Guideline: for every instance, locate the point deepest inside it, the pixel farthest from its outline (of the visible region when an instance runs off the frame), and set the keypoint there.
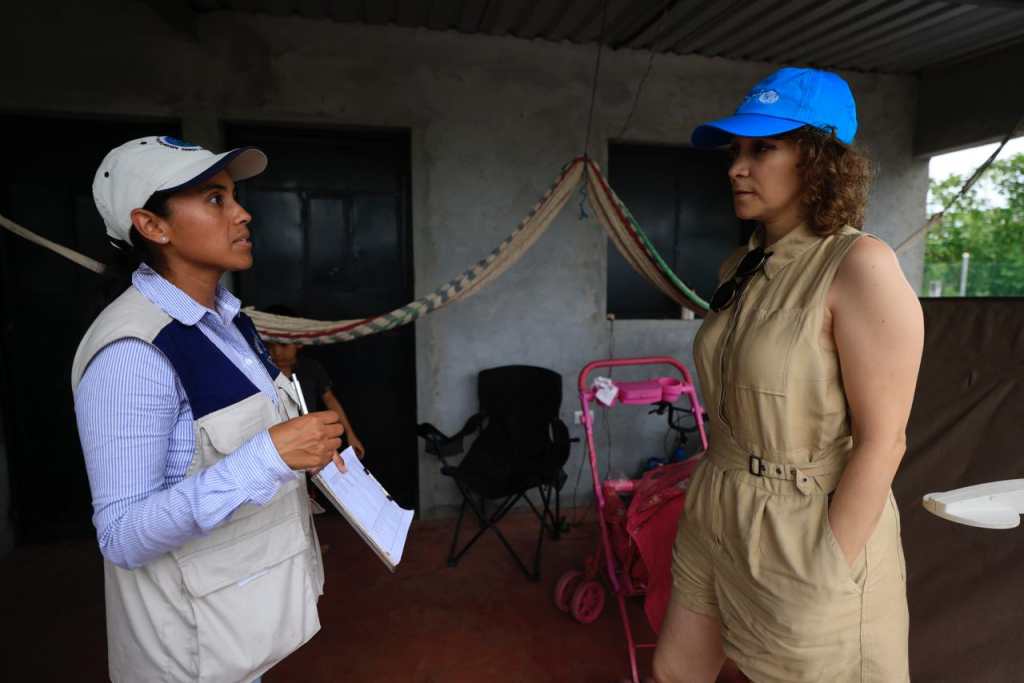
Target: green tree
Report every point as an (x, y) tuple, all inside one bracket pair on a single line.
[(992, 234)]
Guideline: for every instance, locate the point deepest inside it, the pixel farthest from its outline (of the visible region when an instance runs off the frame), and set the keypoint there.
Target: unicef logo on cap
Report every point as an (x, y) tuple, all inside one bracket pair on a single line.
[(175, 143), (768, 97)]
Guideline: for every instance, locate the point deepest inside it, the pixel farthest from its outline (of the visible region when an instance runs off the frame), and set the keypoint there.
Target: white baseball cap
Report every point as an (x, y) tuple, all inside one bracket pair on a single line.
[(130, 174)]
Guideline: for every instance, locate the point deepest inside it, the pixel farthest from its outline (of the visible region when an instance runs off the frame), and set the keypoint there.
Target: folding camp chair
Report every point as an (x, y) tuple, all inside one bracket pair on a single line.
[(521, 444)]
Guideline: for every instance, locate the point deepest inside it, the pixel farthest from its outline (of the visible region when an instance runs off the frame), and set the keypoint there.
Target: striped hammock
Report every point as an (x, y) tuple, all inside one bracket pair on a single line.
[(611, 213)]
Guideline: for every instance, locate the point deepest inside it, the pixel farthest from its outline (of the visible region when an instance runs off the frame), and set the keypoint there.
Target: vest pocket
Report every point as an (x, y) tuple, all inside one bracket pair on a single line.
[(252, 598), (223, 432)]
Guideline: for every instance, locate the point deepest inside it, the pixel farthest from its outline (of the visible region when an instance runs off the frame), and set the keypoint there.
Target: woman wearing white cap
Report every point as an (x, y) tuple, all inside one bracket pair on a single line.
[(788, 558), (191, 440)]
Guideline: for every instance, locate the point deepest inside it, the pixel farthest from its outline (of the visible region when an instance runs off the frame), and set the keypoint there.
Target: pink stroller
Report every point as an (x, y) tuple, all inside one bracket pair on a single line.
[(634, 515)]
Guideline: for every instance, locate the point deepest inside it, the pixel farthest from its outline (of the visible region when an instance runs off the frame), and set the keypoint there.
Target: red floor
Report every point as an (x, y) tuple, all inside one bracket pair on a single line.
[(428, 623)]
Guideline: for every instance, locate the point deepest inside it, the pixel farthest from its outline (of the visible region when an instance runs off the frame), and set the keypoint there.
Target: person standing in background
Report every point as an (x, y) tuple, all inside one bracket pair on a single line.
[(317, 388)]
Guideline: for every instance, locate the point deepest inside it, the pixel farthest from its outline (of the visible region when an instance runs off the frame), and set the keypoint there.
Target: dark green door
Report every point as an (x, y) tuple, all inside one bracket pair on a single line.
[(332, 236), (682, 199)]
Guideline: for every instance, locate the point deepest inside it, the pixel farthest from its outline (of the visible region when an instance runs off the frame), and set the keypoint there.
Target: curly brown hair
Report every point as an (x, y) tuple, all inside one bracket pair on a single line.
[(836, 180)]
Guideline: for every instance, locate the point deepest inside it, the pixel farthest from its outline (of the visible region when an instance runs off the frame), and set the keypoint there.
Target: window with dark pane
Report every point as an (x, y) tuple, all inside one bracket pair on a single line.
[(681, 198)]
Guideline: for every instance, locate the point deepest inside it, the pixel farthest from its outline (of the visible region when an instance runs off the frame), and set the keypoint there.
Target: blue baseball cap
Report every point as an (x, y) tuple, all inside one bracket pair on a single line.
[(788, 99)]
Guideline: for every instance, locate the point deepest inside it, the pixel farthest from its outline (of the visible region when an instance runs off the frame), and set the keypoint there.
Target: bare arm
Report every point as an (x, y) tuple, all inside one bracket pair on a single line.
[(332, 403), (879, 333)]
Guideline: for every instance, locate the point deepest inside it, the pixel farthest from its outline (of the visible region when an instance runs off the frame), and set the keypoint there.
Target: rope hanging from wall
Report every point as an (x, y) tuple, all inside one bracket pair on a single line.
[(625, 233)]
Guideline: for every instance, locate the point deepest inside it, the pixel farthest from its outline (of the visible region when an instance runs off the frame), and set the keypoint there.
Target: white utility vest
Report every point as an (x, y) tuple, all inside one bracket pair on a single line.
[(229, 605)]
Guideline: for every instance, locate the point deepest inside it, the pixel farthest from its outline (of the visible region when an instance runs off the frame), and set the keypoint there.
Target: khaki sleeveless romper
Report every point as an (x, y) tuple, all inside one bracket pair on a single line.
[(755, 549)]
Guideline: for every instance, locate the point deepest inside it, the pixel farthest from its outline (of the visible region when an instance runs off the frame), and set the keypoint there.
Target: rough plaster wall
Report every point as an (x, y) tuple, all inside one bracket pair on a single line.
[(492, 120), (897, 205)]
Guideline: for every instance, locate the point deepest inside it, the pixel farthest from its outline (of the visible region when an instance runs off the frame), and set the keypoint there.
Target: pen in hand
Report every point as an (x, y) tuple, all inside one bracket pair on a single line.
[(324, 426)]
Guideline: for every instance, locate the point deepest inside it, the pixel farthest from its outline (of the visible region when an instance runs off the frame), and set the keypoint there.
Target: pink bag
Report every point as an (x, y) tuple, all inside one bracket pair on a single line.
[(652, 521)]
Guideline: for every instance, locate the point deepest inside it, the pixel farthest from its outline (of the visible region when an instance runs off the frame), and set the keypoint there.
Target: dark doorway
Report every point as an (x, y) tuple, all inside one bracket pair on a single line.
[(332, 234), (682, 200), (46, 305)]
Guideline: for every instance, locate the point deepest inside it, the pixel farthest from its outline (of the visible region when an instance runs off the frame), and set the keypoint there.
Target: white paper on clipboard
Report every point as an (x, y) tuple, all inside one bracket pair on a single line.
[(360, 498), (363, 502)]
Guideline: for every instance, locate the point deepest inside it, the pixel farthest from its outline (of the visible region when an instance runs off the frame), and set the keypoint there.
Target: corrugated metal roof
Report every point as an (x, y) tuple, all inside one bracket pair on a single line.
[(891, 36)]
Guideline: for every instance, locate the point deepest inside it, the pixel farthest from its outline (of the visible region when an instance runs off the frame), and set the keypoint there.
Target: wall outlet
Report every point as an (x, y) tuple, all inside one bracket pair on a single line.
[(577, 417)]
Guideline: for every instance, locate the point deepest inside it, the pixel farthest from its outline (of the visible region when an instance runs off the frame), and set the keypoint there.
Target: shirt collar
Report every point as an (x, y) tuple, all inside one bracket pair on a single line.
[(786, 250), (179, 305)]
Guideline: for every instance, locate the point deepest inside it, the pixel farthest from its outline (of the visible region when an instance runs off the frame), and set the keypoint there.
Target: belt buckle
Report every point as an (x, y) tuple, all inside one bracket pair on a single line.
[(756, 466)]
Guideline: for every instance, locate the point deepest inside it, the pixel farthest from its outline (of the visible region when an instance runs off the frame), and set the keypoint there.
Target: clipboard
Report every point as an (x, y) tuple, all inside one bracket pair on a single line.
[(363, 501)]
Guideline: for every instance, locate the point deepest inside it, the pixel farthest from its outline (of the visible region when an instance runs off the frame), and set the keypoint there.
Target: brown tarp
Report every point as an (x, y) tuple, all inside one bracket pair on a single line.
[(965, 585)]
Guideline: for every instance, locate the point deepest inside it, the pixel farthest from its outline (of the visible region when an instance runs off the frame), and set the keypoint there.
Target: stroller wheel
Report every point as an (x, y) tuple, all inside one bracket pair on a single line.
[(565, 587), (587, 602)]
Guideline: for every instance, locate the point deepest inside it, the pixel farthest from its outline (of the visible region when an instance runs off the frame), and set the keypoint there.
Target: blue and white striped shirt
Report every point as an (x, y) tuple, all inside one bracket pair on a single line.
[(135, 424)]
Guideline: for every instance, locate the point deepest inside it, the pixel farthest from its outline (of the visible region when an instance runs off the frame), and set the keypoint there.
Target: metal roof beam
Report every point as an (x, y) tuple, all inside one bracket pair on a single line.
[(897, 30), (443, 15), (750, 13), (345, 10), (381, 12), (311, 9), (789, 14), (712, 13), (679, 13), (999, 38), (641, 14), (808, 51), (590, 30), (975, 30), (535, 23), (815, 23)]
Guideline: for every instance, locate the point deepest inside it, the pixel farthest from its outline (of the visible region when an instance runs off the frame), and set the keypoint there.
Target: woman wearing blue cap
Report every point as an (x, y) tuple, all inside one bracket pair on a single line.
[(788, 558), (195, 455)]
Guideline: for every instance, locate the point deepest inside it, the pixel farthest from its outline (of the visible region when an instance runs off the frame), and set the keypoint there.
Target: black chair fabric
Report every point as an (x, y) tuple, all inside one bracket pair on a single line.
[(521, 444)]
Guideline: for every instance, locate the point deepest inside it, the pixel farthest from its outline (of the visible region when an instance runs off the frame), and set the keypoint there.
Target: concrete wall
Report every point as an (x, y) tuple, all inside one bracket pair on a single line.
[(971, 103), (492, 120)]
